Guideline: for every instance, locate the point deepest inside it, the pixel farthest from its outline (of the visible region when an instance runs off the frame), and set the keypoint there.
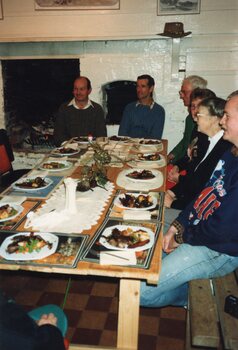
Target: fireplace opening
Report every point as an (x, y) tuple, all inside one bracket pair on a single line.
[(33, 90)]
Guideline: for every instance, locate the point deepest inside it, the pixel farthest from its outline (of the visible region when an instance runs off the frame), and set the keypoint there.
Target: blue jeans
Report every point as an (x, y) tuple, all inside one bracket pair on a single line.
[(181, 266)]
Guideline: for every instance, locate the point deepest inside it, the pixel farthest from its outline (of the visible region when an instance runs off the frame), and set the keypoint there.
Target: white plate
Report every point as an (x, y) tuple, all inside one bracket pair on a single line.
[(43, 253), (148, 160), (58, 153), (118, 203), (107, 232), (17, 207), (140, 180), (25, 189), (66, 165)]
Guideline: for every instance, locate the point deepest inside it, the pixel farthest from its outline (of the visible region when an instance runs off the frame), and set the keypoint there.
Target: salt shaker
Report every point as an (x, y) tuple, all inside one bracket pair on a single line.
[(70, 195)]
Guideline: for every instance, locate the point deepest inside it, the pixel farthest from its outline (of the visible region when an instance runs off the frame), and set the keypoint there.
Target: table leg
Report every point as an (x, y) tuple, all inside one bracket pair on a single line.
[(128, 314)]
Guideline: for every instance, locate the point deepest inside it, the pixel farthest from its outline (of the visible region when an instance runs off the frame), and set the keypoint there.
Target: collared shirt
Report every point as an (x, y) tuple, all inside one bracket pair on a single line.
[(213, 141), (150, 106), (73, 103)]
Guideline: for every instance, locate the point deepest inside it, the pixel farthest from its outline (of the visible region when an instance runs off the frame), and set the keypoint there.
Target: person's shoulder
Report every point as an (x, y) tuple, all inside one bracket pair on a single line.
[(158, 106), (96, 105), (65, 106), (130, 105)]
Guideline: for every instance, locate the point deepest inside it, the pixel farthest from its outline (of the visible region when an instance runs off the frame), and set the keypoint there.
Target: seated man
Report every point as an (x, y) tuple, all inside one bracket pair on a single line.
[(188, 85), (143, 118), (203, 241), (81, 116)]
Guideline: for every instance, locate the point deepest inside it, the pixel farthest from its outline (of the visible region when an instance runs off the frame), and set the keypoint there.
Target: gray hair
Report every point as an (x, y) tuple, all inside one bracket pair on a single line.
[(196, 81)]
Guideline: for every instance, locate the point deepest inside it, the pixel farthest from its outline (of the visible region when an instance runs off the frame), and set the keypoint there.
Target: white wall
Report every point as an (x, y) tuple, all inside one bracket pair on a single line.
[(121, 44)]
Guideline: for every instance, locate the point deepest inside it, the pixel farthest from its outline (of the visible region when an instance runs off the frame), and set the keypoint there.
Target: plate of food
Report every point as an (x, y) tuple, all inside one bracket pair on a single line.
[(135, 201), (124, 237), (55, 165), (140, 175), (85, 139), (29, 246), (116, 138), (149, 157), (156, 145), (65, 151), (9, 211), (32, 184)]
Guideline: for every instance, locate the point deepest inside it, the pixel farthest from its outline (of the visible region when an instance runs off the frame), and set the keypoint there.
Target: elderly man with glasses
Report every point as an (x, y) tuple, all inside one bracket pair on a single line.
[(188, 85)]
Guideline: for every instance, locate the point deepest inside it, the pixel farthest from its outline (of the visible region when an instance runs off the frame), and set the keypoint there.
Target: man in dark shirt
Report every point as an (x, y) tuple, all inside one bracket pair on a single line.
[(80, 116)]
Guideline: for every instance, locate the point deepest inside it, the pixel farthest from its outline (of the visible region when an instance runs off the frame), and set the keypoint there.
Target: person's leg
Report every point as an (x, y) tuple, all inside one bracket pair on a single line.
[(62, 321), (179, 267)]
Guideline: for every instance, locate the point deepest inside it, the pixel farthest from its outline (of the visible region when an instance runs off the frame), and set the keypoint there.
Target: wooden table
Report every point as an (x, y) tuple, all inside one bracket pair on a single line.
[(129, 292)]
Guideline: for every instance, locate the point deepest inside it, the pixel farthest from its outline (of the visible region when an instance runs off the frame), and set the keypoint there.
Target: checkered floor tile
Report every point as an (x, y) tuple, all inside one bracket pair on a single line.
[(91, 308)]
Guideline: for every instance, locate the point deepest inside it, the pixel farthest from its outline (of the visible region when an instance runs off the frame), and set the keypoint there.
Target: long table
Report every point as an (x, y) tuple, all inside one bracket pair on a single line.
[(129, 279)]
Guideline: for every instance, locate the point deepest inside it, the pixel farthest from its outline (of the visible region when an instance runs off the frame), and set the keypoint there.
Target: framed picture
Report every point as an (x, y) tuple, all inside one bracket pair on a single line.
[(77, 4), (1, 13), (178, 7)]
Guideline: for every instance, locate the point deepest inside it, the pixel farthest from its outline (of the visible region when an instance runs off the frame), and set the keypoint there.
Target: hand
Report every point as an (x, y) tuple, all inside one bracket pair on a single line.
[(47, 319), (173, 174), (169, 198), (170, 158), (169, 243)]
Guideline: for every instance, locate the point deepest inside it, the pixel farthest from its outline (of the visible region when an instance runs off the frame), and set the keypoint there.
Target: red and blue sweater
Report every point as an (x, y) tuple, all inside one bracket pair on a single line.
[(212, 218)]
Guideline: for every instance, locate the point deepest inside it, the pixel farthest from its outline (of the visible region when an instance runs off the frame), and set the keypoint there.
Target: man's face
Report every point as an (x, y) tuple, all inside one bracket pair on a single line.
[(185, 92), (81, 91), (229, 121), (143, 90)]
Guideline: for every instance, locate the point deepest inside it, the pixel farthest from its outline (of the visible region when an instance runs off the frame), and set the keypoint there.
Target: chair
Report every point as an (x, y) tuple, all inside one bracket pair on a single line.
[(7, 174)]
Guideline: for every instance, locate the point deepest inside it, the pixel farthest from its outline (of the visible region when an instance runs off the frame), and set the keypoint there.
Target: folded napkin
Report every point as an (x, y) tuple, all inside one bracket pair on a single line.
[(118, 257), (136, 215), (14, 199)]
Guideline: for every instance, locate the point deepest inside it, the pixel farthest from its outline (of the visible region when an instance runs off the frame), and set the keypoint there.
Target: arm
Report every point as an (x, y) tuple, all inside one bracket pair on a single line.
[(125, 124), (60, 133), (158, 127), (100, 125), (180, 150)]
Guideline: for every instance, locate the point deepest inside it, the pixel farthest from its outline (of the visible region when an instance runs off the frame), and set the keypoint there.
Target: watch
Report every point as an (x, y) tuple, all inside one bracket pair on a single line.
[(178, 237)]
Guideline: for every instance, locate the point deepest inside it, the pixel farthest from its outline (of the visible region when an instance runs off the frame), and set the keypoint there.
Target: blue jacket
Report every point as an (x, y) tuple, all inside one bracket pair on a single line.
[(211, 219), (142, 121)]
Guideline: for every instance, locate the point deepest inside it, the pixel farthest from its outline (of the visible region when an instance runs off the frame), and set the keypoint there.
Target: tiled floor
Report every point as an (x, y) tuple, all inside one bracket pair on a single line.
[(91, 308)]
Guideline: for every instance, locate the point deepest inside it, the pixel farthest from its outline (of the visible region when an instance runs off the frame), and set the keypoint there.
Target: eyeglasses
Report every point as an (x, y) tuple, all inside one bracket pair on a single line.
[(184, 92)]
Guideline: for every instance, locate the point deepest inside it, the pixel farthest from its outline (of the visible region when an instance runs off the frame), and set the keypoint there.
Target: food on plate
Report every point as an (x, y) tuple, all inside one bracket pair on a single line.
[(141, 175), (140, 201), (85, 138), (150, 142), (27, 244), (118, 138), (127, 238), (6, 211), (65, 150), (53, 165), (38, 182), (149, 156)]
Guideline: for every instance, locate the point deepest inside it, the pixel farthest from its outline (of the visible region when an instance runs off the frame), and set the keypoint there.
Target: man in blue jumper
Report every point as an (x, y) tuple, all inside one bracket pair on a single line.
[(143, 118), (203, 241)]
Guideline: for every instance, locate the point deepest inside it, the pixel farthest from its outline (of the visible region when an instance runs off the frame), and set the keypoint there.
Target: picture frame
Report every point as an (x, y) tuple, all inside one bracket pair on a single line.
[(178, 7), (77, 4), (1, 11)]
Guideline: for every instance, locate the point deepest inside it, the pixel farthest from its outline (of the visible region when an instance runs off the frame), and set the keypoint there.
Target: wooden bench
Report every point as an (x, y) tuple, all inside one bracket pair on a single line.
[(208, 326)]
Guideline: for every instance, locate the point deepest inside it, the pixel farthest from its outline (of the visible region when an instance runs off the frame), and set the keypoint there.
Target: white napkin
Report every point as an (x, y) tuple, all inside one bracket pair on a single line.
[(136, 215), (40, 173), (70, 195), (119, 257), (14, 199)]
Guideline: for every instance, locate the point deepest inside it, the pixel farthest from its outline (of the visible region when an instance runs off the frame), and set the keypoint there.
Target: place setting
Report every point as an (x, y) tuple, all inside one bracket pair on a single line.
[(140, 179), (137, 206), (123, 243), (148, 160)]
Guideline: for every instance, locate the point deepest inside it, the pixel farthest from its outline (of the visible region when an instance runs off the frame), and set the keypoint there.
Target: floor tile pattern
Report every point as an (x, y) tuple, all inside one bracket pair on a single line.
[(91, 308)]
